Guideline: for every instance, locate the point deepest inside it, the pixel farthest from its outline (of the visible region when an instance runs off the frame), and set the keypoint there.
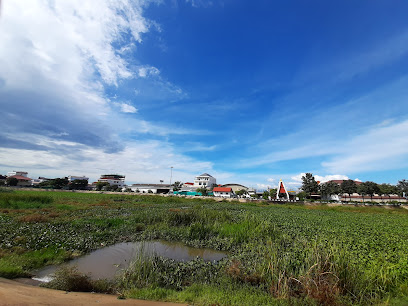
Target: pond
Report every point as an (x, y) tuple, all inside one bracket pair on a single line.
[(107, 262)]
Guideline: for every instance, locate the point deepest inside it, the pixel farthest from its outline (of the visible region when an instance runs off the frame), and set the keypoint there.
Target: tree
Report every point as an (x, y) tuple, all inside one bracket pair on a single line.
[(11, 181), (78, 185), (177, 185), (57, 183), (369, 188), (362, 190), (329, 188), (309, 184), (101, 185), (265, 195), (272, 193), (387, 189), (349, 187), (203, 191), (114, 188), (403, 187), (301, 195), (241, 192)]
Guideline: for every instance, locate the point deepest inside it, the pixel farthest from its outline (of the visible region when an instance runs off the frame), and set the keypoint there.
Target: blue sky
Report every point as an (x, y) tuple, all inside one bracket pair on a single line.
[(248, 91)]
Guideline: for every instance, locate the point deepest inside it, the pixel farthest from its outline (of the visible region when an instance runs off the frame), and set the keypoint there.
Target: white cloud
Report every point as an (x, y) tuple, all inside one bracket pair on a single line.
[(200, 3), (126, 108), (263, 186), (297, 179), (147, 161), (379, 148), (147, 71)]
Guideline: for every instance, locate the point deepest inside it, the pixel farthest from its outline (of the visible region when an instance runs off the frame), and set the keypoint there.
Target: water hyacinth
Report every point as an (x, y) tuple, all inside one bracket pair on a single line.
[(324, 254)]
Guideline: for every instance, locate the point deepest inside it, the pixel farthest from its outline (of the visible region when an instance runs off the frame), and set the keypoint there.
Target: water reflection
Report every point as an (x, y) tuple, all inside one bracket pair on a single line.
[(106, 262)]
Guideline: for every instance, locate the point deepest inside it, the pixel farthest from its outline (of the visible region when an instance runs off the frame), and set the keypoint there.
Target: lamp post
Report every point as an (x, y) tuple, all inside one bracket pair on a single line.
[(171, 175)]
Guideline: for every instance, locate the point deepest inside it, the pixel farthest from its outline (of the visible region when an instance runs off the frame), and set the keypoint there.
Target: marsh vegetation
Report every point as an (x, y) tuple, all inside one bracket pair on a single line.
[(277, 254)]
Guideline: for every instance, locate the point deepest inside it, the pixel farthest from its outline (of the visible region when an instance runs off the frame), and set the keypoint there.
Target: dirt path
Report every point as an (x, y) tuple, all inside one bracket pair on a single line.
[(14, 293)]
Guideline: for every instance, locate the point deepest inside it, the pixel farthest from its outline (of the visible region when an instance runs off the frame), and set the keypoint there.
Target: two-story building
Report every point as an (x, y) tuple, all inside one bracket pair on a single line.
[(113, 179), (204, 181)]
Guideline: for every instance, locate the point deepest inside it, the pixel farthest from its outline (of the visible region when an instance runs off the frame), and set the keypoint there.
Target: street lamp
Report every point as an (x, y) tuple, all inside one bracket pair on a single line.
[(171, 175)]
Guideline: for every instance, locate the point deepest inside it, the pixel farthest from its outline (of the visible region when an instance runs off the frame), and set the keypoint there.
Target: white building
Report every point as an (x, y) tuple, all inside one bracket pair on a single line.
[(151, 188), (19, 173), (113, 179), (36, 182), (224, 192), (204, 181), (73, 178)]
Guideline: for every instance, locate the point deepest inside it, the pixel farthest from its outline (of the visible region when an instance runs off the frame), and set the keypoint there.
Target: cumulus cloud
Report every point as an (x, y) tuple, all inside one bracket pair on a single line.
[(296, 180), (57, 58), (379, 148), (147, 161), (126, 108)]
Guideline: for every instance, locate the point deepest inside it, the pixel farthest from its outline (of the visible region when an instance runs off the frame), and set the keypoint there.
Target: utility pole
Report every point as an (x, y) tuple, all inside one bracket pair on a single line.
[(171, 175)]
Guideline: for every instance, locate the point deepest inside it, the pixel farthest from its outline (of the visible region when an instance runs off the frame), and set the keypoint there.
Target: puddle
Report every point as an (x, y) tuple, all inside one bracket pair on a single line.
[(106, 262)]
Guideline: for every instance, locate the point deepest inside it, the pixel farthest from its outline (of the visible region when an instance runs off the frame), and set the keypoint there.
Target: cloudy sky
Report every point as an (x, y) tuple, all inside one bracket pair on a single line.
[(248, 91)]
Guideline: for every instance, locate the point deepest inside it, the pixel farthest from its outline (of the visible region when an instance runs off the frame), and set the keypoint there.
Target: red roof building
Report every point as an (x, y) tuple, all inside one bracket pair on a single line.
[(222, 189), (22, 180), (224, 192), (341, 181)]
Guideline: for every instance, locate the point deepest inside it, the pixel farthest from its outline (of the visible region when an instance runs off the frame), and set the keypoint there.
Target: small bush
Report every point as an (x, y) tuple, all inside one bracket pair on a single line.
[(34, 218), (70, 279)]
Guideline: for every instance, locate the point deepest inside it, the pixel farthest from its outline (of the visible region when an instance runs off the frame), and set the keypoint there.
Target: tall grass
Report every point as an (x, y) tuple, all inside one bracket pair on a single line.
[(23, 201), (150, 270), (290, 253)]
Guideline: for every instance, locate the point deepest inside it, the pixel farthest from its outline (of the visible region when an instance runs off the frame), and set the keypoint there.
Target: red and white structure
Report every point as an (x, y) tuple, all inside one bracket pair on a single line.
[(282, 191), (224, 192)]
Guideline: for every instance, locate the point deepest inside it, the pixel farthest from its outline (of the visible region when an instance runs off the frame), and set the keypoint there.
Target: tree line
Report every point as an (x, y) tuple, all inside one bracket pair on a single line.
[(310, 187)]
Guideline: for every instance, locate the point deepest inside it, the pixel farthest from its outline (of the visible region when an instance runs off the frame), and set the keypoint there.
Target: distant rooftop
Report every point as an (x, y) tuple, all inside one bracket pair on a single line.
[(112, 176), (222, 189), (205, 174), (21, 178), (341, 181)]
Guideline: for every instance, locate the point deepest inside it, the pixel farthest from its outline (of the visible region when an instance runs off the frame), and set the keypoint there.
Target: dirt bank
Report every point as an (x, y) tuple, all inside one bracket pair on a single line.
[(14, 293)]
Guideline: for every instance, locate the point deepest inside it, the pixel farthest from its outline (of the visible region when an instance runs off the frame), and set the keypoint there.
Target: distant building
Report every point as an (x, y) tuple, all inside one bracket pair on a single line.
[(36, 182), (19, 173), (151, 188), (73, 178), (339, 182), (204, 181), (355, 197), (2, 179), (113, 179), (224, 192), (23, 181), (251, 191), (236, 187)]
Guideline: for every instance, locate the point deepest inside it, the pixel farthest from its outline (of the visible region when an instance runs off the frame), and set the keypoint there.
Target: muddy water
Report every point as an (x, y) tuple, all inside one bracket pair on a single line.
[(107, 262)]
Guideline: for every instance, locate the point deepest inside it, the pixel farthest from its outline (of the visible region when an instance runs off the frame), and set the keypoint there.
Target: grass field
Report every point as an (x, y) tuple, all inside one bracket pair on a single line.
[(278, 254)]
